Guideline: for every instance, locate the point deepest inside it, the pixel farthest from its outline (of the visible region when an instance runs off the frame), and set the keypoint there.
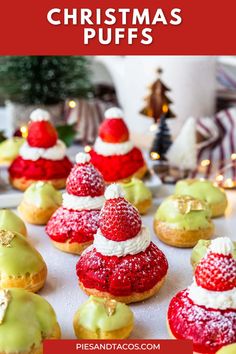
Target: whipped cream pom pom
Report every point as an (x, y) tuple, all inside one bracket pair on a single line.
[(221, 245), (82, 157), (39, 115), (114, 191), (113, 113)]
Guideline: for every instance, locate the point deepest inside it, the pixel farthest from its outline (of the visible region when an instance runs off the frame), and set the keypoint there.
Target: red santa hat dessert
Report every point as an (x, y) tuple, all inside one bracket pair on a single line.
[(113, 154), (42, 157), (72, 227), (205, 313), (122, 264)]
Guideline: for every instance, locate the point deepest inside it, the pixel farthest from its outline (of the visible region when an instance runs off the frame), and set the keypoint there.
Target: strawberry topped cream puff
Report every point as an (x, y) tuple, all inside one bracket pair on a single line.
[(72, 227), (42, 157), (113, 154), (122, 264), (205, 313)]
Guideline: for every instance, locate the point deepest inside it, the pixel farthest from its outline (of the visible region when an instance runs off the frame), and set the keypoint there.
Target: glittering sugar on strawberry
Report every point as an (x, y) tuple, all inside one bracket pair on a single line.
[(85, 179), (208, 329), (42, 134), (121, 276), (119, 220), (73, 225), (216, 272)]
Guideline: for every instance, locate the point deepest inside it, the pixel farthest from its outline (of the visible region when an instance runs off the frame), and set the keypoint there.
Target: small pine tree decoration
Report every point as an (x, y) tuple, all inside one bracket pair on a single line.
[(162, 141), (158, 102), (47, 80)]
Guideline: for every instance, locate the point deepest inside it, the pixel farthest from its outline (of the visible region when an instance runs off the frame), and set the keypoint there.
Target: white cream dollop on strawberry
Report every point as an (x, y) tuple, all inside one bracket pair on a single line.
[(82, 158), (111, 149), (220, 300), (39, 115), (221, 245), (74, 202), (114, 191), (55, 153), (114, 113), (132, 246)]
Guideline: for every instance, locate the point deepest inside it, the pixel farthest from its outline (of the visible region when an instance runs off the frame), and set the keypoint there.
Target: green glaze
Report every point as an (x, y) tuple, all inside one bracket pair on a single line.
[(42, 195), (228, 349), (9, 149), (136, 191), (28, 319), (201, 189), (93, 315), (11, 222), (200, 250), (169, 213), (20, 258)]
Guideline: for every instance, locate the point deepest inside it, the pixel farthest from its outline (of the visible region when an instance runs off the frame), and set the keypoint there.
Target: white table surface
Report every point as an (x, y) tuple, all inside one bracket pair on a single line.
[(64, 294)]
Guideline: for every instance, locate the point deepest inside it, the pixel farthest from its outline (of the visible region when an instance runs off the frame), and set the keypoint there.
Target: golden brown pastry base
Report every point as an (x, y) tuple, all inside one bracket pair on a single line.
[(56, 334), (74, 247), (135, 297), (30, 282), (181, 238), (22, 183), (144, 206), (34, 215), (218, 209), (173, 337), (84, 333)]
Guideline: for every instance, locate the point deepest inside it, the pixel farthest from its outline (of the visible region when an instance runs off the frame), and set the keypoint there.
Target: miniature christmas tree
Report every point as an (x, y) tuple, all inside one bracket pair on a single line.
[(183, 152), (162, 141), (47, 80), (158, 102)]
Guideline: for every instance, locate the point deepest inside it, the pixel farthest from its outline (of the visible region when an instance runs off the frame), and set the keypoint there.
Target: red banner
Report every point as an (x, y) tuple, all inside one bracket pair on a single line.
[(117, 346), (91, 27)]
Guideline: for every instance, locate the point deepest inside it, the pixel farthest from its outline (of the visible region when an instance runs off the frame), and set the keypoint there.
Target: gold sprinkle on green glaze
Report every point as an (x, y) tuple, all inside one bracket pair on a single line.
[(110, 307), (6, 238), (5, 298)]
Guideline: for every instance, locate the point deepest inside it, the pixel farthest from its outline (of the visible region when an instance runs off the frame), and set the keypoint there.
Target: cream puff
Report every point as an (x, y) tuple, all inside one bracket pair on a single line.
[(114, 154), (137, 194), (205, 313), (181, 221), (42, 157), (40, 201), (200, 250), (102, 318), (21, 266), (122, 264), (9, 150), (26, 320), (204, 190), (11, 222), (72, 227)]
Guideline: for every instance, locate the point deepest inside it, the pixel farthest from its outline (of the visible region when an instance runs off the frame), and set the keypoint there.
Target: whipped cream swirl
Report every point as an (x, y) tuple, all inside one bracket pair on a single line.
[(56, 152), (220, 300), (110, 149), (82, 203), (131, 246), (221, 245)]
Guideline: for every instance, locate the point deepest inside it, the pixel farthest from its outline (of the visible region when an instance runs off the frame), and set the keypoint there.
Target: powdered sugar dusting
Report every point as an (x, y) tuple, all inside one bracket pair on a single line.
[(208, 329)]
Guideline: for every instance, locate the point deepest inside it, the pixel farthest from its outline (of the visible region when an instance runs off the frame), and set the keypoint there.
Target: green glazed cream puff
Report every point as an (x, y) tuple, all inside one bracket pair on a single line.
[(101, 318), (39, 202), (11, 222), (26, 319), (181, 221), (9, 150), (21, 266), (137, 194), (204, 190), (228, 349), (200, 250)]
